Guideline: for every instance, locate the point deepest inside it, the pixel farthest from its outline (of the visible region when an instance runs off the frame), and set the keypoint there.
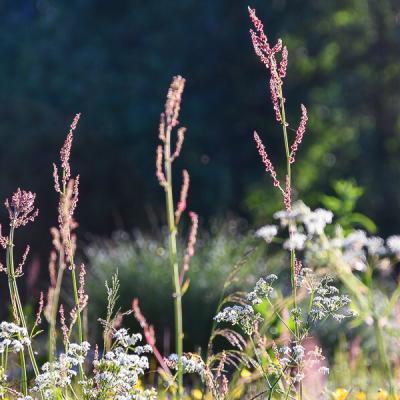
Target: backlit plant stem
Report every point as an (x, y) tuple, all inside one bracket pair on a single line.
[(290, 225), (54, 309), (173, 256), (74, 286), (289, 182), (17, 306)]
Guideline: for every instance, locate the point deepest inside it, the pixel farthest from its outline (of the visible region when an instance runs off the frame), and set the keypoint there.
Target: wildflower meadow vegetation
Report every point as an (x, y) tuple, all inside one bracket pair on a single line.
[(305, 307)]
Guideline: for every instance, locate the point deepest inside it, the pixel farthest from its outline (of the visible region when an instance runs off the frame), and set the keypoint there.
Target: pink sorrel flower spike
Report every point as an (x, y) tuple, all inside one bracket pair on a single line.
[(287, 195), (191, 244), (274, 88), (179, 143), (174, 98), (284, 63), (38, 320), (299, 133), (265, 159), (65, 152), (183, 198), (21, 209), (159, 168), (260, 41), (297, 271)]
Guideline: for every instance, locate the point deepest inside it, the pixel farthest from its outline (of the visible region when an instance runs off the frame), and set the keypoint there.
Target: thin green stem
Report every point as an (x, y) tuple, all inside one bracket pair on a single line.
[(291, 225), (15, 297), (24, 379), (54, 310), (74, 284), (173, 256), (260, 363)]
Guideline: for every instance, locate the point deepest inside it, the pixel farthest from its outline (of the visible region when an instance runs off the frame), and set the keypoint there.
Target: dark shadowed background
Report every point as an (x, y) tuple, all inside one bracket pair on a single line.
[(113, 61)]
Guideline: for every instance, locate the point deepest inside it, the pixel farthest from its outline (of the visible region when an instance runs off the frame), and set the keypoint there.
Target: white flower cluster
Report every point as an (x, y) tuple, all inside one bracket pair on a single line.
[(123, 338), (295, 215), (267, 232), (191, 363), (296, 241), (59, 374), (393, 243), (262, 290), (292, 355), (118, 372), (244, 316), (310, 223), (13, 337), (328, 302)]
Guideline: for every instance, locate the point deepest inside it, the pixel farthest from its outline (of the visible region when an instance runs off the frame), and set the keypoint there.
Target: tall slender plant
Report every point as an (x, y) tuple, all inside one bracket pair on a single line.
[(165, 158)]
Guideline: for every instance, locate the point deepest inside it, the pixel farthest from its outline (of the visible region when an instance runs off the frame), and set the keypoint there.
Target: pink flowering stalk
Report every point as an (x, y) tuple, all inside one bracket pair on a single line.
[(21, 210), (164, 159), (64, 242), (275, 59)]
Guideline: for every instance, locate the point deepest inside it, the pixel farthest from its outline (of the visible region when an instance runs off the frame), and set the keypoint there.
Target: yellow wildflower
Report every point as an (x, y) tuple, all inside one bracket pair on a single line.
[(382, 395), (360, 396), (245, 373), (340, 394), (197, 394), (237, 392)]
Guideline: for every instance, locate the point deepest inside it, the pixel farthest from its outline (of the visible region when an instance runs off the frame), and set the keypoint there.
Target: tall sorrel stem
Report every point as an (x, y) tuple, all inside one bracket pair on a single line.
[(164, 160), (173, 257), (64, 239), (21, 210), (267, 55)]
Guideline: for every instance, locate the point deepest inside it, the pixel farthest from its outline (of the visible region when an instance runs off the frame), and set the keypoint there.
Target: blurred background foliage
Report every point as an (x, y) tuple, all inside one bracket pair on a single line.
[(113, 61)]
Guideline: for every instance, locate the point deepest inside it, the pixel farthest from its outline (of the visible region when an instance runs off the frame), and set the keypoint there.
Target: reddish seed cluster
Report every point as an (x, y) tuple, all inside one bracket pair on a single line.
[(265, 159), (18, 271), (159, 167), (149, 334), (174, 98), (287, 196), (3, 239), (21, 209), (267, 56), (299, 133), (83, 297), (184, 193), (191, 243), (284, 63), (38, 320), (179, 143), (168, 121), (275, 94), (65, 152), (64, 327), (297, 271)]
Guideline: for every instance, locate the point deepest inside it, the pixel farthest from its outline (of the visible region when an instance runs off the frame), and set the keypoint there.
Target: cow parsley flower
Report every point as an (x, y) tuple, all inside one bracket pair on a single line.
[(393, 242), (267, 232), (123, 338), (328, 302), (297, 214), (375, 246), (117, 373), (244, 316), (191, 363), (296, 241), (262, 290), (13, 337), (315, 221)]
